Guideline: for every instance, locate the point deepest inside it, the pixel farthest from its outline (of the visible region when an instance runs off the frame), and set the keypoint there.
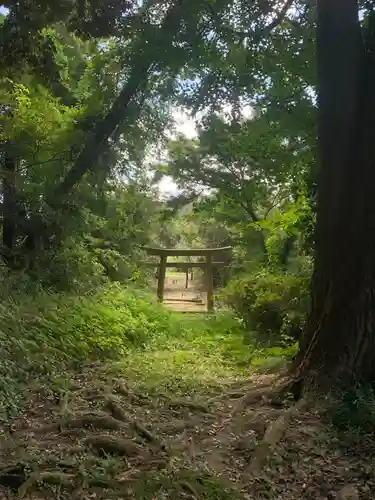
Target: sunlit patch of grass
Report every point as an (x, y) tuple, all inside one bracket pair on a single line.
[(204, 353), (201, 355), (174, 275), (273, 359), (181, 371)]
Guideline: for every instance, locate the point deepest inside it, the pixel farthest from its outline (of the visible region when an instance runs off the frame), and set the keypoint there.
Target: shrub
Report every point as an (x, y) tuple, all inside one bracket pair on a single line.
[(271, 304), (69, 268)]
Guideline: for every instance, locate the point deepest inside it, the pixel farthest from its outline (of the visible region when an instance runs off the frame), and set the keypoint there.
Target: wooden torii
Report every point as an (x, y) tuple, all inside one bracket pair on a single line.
[(208, 266)]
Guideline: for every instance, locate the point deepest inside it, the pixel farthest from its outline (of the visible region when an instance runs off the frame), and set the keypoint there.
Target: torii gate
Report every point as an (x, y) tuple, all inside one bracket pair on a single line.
[(208, 266)]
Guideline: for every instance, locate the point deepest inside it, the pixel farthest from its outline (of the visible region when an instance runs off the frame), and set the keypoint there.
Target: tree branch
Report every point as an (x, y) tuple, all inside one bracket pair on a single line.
[(279, 17), (61, 155), (141, 65), (86, 160), (262, 32)]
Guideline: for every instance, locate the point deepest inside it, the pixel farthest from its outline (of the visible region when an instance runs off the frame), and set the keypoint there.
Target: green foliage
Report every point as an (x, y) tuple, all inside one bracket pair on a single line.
[(99, 241), (196, 56), (353, 411), (271, 304), (201, 356), (255, 171), (70, 268), (284, 230), (41, 334)]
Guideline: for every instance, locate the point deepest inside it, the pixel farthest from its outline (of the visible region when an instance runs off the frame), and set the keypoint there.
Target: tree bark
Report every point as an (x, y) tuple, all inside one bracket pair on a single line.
[(339, 341), (88, 157)]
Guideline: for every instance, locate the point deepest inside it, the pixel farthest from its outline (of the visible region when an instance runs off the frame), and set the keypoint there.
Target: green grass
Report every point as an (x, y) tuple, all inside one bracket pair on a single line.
[(46, 334), (203, 354), (353, 411)]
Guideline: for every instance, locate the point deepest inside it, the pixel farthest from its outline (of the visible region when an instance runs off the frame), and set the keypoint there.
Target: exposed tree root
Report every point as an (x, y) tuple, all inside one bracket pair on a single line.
[(113, 406), (226, 395), (149, 436), (241, 389), (191, 405), (94, 420), (118, 413), (123, 389), (44, 429), (180, 426), (271, 437), (251, 398), (71, 481), (143, 432), (112, 445), (15, 475), (86, 464), (55, 478), (275, 395)]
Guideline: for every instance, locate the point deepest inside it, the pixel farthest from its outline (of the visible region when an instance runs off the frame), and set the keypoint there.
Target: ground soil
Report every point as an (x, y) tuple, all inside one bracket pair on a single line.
[(99, 434), (178, 298), (101, 438)]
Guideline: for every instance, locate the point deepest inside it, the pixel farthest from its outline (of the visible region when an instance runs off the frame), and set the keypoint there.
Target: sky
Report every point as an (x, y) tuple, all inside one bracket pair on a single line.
[(185, 125)]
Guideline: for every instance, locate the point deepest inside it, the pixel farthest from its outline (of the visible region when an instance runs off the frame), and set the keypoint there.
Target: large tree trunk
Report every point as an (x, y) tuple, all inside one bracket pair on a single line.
[(339, 341)]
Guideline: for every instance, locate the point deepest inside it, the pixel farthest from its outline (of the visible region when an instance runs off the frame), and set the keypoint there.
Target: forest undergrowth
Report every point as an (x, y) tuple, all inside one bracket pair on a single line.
[(159, 405)]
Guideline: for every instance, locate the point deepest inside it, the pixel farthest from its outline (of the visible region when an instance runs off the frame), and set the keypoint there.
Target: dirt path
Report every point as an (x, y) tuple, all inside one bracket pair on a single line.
[(102, 439), (181, 299)]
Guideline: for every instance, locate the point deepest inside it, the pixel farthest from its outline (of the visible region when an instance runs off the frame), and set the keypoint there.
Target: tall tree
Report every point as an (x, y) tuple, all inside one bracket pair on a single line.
[(339, 341), (254, 168), (197, 51), (145, 34)]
